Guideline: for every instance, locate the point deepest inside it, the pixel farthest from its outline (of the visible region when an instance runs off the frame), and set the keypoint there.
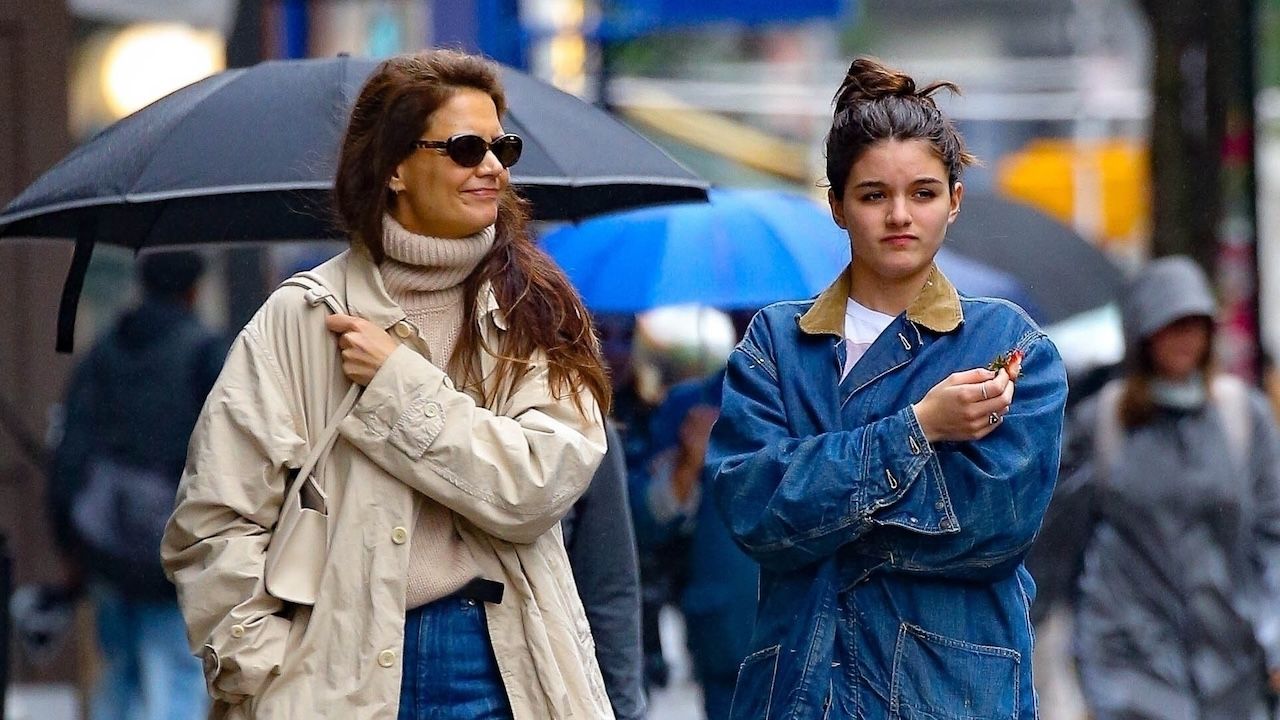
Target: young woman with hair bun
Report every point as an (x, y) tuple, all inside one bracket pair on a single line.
[(886, 450)]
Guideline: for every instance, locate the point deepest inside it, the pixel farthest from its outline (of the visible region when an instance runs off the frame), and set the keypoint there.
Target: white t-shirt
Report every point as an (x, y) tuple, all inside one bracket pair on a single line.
[(862, 326)]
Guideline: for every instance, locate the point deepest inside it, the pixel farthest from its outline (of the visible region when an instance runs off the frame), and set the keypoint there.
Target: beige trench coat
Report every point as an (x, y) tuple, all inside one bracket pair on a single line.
[(508, 472)]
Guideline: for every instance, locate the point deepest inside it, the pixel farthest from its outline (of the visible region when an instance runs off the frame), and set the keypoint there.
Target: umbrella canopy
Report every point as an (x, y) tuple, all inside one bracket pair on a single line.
[(249, 154), (1064, 272), (744, 249)]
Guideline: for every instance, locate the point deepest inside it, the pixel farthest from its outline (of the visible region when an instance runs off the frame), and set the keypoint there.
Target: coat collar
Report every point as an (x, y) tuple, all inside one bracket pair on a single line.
[(368, 297), (937, 307)]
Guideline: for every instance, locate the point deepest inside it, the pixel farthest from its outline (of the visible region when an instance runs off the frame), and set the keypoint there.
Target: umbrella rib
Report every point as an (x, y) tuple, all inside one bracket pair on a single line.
[(230, 78)]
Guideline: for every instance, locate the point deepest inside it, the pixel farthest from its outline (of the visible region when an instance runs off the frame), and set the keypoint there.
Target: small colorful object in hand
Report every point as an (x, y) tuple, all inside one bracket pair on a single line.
[(1011, 362)]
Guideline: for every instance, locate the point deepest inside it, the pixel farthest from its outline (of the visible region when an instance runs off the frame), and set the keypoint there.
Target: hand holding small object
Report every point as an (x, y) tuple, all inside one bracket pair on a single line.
[(962, 406)]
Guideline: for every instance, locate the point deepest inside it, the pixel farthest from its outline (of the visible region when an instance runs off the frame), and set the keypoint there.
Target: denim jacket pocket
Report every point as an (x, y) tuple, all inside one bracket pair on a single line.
[(941, 678), (754, 692)]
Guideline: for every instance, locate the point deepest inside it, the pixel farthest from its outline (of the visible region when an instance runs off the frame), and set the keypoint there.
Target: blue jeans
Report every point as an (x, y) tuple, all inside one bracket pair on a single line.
[(148, 672), (449, 669)]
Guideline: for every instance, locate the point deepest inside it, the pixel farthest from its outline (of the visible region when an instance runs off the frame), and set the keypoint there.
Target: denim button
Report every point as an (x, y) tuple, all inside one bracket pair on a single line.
[(940, 505), (945, 524), (387, 658)]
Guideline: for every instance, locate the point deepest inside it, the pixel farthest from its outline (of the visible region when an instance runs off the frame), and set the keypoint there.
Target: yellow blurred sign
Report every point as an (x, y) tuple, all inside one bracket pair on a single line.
[(1112, 176)]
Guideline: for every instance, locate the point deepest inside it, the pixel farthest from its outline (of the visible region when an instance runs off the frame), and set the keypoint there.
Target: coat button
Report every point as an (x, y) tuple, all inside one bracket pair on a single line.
[(399, 535), (387, 658), (403, 330), (237, 631), (431, 410)]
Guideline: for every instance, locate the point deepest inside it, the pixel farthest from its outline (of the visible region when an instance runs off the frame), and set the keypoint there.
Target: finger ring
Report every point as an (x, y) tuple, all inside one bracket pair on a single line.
[(993, 418), (984, 390)]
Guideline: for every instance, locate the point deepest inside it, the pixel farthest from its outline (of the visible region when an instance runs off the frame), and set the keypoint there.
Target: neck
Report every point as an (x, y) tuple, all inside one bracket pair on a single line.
[(891, 296), (418, 263)]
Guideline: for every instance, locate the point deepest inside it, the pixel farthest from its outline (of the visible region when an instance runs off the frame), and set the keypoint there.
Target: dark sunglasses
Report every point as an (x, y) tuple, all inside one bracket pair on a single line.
[(469, 150)]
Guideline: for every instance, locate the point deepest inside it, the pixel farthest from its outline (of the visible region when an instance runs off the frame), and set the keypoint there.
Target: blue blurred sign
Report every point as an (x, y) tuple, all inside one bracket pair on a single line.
[(637, 17)]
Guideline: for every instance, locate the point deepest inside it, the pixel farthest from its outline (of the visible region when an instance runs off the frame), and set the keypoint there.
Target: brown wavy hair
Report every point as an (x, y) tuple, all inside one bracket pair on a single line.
[(543, 311), (876, 102)]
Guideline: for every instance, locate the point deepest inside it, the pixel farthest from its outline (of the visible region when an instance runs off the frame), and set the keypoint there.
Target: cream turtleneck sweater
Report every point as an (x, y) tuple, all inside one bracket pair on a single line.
[(424, 276)]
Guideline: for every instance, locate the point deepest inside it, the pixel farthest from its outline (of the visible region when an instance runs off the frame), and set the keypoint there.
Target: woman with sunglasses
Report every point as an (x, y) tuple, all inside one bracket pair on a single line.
[(446, 592), (873, 455)]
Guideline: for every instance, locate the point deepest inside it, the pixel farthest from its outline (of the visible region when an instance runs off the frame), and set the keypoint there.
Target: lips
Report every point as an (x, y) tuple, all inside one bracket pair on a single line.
[(487, 193), (899, 239)]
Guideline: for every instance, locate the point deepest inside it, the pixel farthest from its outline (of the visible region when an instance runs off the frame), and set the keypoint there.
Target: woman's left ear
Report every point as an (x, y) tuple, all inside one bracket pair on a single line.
[(957, 194)]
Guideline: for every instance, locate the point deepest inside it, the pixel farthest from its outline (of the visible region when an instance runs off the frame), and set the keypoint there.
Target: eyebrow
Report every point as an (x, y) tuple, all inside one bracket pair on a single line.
[(925, 180)]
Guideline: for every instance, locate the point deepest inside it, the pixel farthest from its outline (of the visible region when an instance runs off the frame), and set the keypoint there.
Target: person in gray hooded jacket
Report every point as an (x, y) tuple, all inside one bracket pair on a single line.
[(1178, 472)]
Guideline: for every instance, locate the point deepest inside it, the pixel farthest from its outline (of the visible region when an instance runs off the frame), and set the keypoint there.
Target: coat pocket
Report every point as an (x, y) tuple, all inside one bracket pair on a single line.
[(753, 693), (941, 678)]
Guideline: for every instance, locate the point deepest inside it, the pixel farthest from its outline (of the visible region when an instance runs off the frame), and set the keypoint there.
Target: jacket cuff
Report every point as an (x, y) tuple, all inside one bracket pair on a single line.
[(399, 405), (241, 658), (904, 478)]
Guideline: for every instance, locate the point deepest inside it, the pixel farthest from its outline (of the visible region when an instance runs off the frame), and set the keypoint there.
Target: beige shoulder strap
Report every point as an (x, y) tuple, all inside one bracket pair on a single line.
[(1108, 433), (1231, 398), (313, 493)]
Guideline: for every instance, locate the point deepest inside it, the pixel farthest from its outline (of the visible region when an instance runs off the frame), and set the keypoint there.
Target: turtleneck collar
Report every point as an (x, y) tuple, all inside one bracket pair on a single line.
[(423, 264)]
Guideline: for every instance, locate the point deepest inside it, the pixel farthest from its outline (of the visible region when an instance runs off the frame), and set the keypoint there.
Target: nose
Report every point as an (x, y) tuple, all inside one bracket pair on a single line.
[(899, 213), (489, 166)]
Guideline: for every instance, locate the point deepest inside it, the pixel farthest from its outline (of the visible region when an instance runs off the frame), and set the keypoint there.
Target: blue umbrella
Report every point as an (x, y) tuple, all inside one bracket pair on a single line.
[(743, 249)]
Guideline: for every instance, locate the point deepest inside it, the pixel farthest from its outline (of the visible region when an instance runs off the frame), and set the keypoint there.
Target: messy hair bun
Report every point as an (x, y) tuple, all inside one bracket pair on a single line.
[(876, 102), (868, 80)]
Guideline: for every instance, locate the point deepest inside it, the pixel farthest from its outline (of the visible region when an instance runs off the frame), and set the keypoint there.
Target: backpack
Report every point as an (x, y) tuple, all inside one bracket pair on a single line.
[(120, 511)]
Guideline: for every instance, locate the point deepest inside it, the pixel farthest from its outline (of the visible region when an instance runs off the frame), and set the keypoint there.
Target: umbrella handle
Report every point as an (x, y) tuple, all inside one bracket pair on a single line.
[(70, 302)]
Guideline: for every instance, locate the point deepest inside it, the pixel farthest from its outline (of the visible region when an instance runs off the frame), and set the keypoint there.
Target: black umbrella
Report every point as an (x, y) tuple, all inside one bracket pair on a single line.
[(1065, 273), (249, 154)]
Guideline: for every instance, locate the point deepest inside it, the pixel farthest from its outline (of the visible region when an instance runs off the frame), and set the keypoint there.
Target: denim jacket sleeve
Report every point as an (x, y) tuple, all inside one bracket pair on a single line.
[(999, 486), (792, 501), (960, 509)]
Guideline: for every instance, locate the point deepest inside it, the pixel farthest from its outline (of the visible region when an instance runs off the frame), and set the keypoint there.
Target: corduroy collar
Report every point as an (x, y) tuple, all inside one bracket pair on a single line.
[(937, 307)]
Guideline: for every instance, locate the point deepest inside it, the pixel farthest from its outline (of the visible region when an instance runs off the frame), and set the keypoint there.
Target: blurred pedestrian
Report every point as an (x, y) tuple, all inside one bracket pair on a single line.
[(1171, 496), (129, 413), (446, 591), (717, 587), (886, 479), (601, 542)]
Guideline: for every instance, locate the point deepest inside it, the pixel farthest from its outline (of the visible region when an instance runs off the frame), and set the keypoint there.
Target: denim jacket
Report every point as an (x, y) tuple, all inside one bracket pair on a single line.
[(892, 582)]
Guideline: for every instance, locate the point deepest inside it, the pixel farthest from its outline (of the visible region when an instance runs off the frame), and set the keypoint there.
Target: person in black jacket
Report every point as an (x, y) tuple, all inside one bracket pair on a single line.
[(129, 412), (601, 542)]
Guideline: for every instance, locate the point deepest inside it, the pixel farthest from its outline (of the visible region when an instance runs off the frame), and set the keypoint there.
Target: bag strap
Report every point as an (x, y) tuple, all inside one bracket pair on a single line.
[(1231, 398), (1108, 434), (317, 293)]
